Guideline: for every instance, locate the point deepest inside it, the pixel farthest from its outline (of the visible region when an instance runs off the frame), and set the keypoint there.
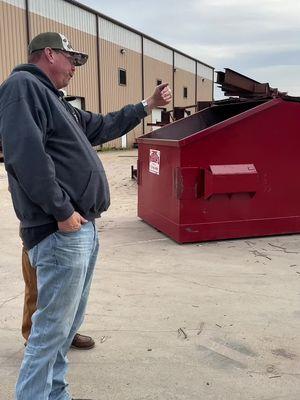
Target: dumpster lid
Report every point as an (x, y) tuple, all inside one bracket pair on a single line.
[(180, 132), (291, 98), (250, 96)]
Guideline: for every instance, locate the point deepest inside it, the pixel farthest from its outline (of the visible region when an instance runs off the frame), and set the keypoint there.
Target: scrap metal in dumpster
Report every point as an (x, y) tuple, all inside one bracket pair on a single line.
[(229, 171)]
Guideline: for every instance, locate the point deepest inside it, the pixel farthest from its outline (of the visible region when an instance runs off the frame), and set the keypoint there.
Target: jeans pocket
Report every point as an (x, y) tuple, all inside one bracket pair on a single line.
[(68, 233)]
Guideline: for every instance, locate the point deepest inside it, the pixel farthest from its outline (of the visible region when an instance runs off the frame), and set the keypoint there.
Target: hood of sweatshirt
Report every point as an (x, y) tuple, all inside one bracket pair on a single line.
[(39, 74)]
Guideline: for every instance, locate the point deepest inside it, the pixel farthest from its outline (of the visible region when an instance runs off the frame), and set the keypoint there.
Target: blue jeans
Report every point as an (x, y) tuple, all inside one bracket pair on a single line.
[(64, 264)]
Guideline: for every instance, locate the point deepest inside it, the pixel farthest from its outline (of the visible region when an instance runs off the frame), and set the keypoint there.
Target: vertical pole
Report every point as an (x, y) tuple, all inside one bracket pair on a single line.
[(173, 83), (98, 63), (27, 21), (213, 84), (143, 82), (196, 83)]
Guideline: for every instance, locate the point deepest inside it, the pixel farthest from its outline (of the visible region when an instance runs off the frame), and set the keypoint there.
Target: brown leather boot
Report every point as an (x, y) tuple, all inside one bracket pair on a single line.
[(82, 342)]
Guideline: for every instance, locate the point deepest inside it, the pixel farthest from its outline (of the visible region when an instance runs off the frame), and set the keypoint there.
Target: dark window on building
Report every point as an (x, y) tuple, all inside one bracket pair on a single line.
[(122, 77), (158, 82), (185, 92)]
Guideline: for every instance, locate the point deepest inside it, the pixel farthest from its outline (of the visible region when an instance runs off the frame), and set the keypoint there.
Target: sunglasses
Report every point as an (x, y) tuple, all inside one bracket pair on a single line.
[(75, 59)]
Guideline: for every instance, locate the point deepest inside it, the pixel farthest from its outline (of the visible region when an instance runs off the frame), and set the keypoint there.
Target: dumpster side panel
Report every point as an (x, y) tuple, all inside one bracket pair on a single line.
[(231, 201), (158, 203)]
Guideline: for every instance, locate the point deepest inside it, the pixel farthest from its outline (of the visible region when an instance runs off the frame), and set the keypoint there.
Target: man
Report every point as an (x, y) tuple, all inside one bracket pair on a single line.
[(79, 342), (58, 188)]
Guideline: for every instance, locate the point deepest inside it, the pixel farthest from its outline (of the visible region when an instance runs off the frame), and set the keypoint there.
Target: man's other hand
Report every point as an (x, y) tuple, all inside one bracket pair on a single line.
[(72, 224), (161, 97)]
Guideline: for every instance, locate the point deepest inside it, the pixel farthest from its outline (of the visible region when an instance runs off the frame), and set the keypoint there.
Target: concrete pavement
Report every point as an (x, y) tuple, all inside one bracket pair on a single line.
[(209, 321)]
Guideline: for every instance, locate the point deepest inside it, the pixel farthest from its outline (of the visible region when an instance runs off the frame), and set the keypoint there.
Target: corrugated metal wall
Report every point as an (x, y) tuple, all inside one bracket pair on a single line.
[(204, 71), (16, 3), (205, 83), (184, 63), (65, 13), (85, 81), (80, 26), (13, 40), (158, 64), (113, 38), (118, 35), (185, 70), (158, 52)]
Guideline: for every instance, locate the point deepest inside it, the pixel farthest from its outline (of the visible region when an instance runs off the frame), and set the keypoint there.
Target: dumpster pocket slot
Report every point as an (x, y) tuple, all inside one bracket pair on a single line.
[(187, 182), (139, 172), (230, 179)]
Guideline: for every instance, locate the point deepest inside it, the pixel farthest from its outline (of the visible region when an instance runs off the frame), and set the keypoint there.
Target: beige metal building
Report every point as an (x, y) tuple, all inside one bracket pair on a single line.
[(124, 64)]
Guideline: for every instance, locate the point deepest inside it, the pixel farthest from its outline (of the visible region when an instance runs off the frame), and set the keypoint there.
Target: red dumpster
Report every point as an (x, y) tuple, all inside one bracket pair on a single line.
[(229, 171)]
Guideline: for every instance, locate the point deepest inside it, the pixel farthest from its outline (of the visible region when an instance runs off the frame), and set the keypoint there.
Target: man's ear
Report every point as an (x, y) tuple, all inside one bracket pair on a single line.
[(48, 52)]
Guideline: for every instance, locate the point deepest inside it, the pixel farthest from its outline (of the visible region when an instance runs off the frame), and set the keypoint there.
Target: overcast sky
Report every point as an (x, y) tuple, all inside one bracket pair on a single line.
[(258, 38)]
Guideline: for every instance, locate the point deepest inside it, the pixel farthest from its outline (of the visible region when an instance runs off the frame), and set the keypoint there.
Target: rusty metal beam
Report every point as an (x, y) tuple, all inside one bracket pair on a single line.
[(235, 84)]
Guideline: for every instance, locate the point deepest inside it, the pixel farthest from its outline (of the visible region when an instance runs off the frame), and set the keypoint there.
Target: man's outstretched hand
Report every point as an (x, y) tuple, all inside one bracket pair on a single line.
[(72, 224), (161, 97)]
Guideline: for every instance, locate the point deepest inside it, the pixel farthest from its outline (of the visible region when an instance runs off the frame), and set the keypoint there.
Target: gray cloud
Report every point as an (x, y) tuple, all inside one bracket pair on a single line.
[(257, 38)]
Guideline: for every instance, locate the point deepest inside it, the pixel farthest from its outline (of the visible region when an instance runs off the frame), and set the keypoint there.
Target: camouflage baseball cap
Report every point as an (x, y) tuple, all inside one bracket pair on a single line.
[(56, 41)]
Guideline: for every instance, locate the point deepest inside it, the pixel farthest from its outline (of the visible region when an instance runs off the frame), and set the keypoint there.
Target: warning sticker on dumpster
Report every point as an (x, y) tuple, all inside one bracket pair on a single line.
[(154, 161)]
